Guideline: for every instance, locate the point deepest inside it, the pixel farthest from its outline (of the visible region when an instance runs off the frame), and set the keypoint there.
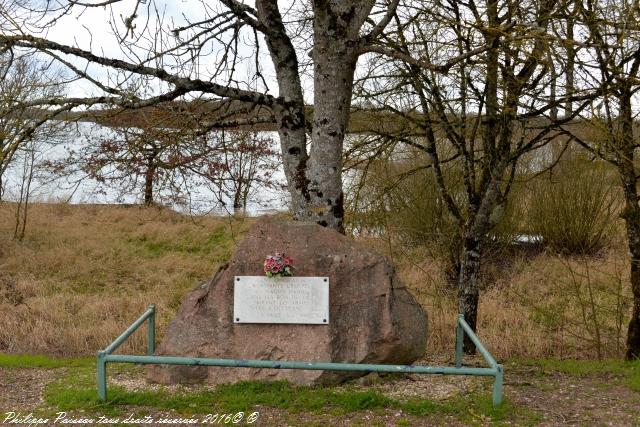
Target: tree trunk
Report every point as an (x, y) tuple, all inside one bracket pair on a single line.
[(553, 113), (571, 61), (469, 289), (474, 237), (631, 215), (315, 180), (291, 120), (148, 186), (334, 54), (333, 87), (482, 198), (633, 333), (150, 174), (238, 201)]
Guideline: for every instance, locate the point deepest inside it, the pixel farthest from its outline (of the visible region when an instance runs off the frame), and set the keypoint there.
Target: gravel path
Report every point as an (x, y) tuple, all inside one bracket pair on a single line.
[(21, 389), (554, 398)]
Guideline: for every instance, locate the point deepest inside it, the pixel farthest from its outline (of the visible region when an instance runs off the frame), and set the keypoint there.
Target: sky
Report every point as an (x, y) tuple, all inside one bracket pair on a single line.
[(93, 29)]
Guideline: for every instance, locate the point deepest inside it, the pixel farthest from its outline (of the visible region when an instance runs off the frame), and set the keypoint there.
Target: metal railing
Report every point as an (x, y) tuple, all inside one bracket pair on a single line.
[(105, 356)]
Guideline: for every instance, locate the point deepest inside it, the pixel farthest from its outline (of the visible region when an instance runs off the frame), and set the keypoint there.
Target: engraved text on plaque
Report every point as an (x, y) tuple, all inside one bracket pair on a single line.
[(261, 299)]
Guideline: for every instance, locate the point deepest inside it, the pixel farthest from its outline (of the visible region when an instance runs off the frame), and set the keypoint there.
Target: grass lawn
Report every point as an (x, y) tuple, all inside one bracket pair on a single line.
[(72, 389), (69, 386)]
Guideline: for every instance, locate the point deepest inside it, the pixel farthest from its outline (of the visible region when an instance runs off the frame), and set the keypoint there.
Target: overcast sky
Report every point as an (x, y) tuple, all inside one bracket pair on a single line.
[(92, 29)]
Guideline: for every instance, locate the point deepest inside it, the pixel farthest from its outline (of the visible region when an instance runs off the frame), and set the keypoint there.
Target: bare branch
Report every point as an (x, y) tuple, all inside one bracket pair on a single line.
[(382, 25), (182, 84)]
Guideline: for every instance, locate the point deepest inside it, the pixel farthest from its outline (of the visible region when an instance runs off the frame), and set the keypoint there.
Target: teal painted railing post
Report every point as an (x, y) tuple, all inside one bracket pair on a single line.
[(497, 386), (101, 376), (151, 331), (459, 341)]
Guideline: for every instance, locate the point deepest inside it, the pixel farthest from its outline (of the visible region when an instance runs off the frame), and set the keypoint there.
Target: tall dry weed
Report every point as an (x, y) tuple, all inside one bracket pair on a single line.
[(548, 306), (82, 274)]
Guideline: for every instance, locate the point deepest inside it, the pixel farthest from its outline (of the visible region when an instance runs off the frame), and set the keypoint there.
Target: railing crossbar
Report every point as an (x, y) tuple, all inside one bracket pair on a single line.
[(462, 327), (282, 364)]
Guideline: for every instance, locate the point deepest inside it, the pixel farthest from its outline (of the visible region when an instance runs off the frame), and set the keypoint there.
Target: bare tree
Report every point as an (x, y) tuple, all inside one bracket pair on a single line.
[(475, 112), (145, 159), (245, 163), (339, 32), (614, 38), (23, 79), (159, 153)]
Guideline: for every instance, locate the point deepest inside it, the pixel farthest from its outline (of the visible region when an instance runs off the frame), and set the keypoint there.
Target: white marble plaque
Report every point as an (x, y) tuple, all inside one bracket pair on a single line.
[(261, 299)]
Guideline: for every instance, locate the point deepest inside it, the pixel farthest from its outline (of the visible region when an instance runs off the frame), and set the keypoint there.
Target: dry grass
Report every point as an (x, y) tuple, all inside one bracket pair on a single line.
[(543, 306), (84, 273)]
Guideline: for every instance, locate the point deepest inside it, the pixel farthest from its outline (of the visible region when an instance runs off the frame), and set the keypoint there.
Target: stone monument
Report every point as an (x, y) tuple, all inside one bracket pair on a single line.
[(372, 317)]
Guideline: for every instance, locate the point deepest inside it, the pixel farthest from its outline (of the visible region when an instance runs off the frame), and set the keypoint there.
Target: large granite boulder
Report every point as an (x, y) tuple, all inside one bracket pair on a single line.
[(373, 317)]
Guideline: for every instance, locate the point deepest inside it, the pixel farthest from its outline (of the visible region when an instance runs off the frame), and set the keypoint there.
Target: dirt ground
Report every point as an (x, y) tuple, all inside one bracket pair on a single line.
[(551, 398), (575, 401)]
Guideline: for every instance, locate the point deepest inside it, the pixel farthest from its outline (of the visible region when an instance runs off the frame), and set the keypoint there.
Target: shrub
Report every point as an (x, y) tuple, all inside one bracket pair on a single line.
[(400, 201), (574, 206), (400, 198)]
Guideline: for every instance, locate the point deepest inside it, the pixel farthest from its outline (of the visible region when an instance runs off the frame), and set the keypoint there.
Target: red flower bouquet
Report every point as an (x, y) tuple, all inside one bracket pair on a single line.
[(278, 265)]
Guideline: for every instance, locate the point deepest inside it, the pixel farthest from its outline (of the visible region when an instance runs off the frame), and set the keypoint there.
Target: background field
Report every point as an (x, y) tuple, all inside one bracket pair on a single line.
[(84, 273)]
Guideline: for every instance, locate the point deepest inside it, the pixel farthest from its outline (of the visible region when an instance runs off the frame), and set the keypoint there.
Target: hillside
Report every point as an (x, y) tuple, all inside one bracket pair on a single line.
[(84, 272)]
